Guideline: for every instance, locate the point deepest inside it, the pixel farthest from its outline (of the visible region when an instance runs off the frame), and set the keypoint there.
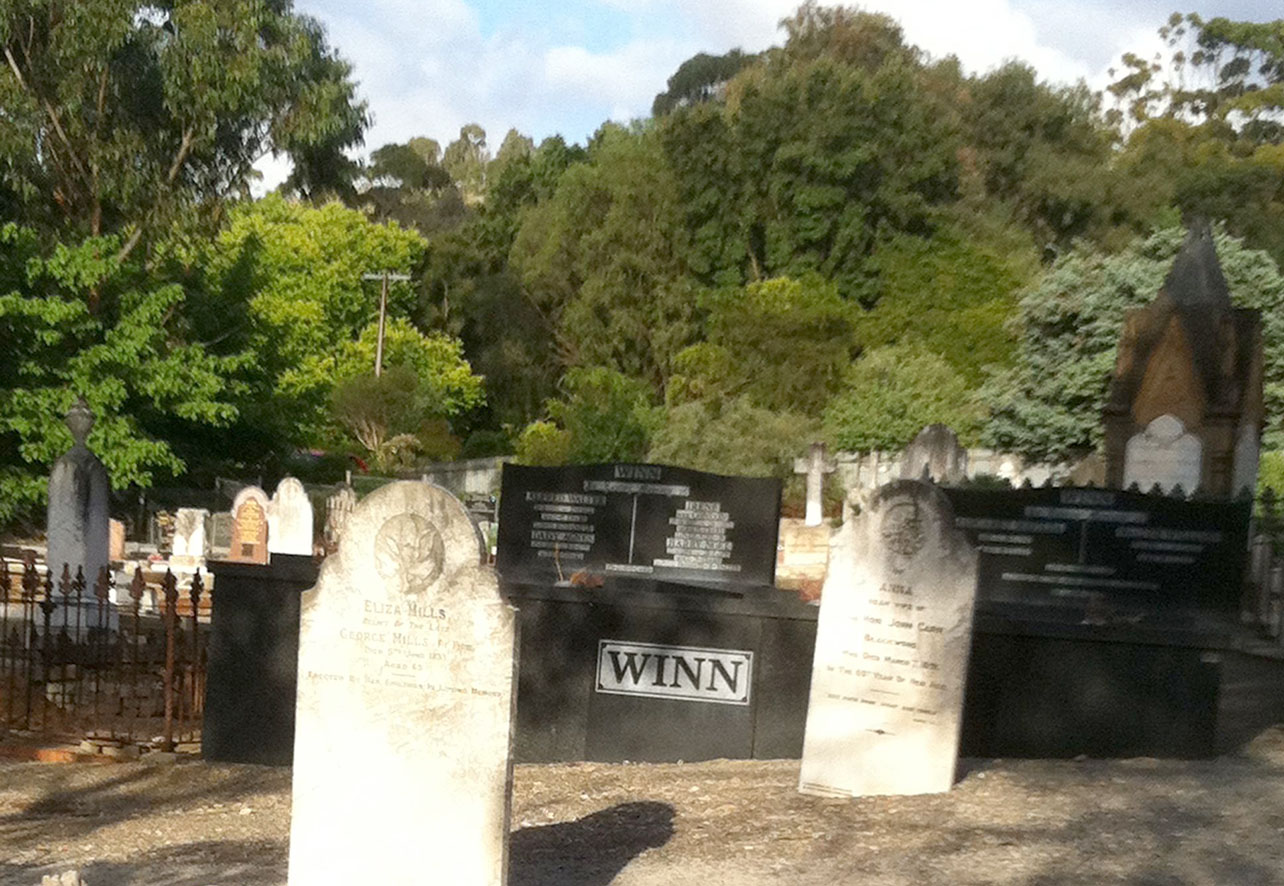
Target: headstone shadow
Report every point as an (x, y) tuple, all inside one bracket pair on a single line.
[(589, 851)]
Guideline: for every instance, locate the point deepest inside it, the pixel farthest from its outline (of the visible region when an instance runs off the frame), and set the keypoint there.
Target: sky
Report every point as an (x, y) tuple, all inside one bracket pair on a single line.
[(427, 67)]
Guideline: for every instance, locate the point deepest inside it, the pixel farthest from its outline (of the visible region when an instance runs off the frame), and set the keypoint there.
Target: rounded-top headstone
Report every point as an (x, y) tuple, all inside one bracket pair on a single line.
[(290, 519), (407, 681)]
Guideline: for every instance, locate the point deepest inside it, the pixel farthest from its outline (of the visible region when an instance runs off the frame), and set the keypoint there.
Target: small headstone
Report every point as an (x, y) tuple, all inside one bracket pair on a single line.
[(1165, 454), (815, 466), (221, 533), (338, 508), (403, 730), (935, 453), (892, 643), (189, 548), (249, 526), (289, 516), (115, 541)]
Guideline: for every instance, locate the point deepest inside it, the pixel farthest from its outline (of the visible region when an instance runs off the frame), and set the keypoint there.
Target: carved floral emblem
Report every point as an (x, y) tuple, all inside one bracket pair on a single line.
[(409, 550), (903, 533)]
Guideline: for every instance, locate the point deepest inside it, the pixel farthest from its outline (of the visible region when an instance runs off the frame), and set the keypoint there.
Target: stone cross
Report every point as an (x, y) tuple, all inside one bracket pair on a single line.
[(892, 643), (815, 466), (406, 690)]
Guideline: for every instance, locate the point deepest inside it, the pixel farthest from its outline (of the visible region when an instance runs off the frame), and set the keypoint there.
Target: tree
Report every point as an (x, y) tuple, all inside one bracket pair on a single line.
[(699, 79), (283, 284), (601, 416), (150, 389), (121, 118), (892, 393), (465, 159), (731, 436), (601, 260), (1049, 405)]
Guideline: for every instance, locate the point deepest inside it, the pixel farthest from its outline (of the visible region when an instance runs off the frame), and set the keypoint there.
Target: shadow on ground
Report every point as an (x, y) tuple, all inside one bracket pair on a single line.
[(589, 851), (257, 863)]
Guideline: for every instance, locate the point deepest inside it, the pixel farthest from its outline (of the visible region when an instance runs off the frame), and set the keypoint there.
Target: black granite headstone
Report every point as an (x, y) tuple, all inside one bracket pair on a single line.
[(1114, 554), (586, 524)]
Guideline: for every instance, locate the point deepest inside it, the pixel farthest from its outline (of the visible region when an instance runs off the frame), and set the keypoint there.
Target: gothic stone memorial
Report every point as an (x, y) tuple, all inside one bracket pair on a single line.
[(583, 525), (892, 648), (406, 687)]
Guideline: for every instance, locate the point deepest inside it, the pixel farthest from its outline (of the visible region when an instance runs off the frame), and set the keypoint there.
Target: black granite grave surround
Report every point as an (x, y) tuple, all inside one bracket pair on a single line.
[(567, 711), (253, 659)]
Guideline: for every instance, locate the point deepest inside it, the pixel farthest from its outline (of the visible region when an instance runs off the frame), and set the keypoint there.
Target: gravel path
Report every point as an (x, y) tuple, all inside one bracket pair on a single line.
[(721, 823)]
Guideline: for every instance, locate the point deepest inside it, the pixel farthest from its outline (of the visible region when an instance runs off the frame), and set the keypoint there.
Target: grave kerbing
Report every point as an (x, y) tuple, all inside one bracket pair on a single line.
[(892, 644), (406, 691)]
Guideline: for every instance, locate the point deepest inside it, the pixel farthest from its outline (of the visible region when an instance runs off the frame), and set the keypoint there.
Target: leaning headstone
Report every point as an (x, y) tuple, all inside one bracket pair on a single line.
[(407, 683), (189, 547), (249, 526), (78, 520), (815, 466), (290, 519), (892, 643), (935, 453)]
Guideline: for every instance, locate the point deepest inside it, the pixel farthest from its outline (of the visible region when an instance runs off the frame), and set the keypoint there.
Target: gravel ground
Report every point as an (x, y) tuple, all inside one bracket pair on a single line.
[(721, 823)]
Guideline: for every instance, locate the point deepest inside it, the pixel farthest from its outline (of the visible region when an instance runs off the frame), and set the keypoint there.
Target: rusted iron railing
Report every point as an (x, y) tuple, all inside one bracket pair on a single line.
[(77, 663)]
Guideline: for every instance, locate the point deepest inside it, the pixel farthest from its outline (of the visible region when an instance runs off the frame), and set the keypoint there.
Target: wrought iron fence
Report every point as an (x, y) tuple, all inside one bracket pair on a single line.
[(74, 663)]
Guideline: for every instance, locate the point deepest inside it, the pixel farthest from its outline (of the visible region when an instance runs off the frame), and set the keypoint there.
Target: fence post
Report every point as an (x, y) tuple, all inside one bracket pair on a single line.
[(171, 625)]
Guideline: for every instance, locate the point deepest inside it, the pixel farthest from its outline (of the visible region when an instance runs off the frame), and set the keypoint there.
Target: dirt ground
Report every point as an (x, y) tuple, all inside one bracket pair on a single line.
[(721, 823)]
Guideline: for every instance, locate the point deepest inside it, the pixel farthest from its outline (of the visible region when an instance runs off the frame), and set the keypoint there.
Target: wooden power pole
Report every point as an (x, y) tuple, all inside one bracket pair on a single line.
[(385, 276)]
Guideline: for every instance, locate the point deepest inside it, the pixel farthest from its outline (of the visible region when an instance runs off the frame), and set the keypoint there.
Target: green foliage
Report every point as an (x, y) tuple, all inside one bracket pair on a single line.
[(698, 79), (1270, 473), (126, 356), (731, 437), (601, 260), (602, 416), (284, 284), (953, 294), (122, 117), (394, 416), (1049, 405), (892, 393), (782, 343)]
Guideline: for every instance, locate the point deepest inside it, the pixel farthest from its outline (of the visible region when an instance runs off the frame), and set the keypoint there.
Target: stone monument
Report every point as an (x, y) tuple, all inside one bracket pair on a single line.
[(935, 453), (1185, 405), (189, 547), (815, 466), (249, 526), (338, 508), (78, 520), (892, 644), (289, 515), (406, 691)]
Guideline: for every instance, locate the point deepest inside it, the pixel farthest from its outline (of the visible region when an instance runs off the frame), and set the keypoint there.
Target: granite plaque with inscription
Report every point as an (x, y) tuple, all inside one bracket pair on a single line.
[(584, 524), (406, 688), (892, 646), (1123, 556)]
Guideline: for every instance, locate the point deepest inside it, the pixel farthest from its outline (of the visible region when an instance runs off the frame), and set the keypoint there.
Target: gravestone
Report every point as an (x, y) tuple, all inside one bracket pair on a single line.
[(221, 534), (1163, 455), (249, 526), (815, 466), (406, 689), (892, 644), (116, 541), (936, 453), (189, 547), (289, 516), (78, 531), (338, 508)]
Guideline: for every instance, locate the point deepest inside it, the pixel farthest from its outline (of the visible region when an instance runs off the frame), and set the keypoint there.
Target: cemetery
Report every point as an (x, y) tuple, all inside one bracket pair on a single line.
[(868, 467)]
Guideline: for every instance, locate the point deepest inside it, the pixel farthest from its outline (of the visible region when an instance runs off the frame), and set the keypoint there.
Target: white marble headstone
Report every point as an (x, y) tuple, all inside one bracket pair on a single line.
[(892, 644), (1164, 453), (189, 538), (406, 688), (289, 516)]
